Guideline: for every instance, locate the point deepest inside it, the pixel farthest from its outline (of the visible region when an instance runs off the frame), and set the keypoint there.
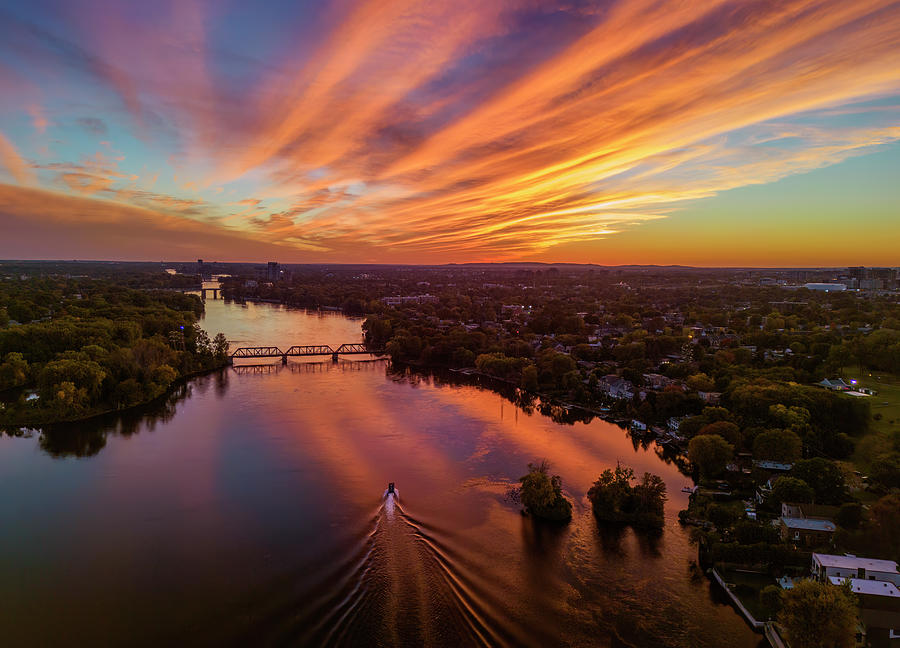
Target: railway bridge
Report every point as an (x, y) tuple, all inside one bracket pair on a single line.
[(265, 353)]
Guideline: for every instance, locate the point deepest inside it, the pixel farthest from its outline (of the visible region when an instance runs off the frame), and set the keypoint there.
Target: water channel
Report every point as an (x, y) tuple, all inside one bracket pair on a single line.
[(248, 509)]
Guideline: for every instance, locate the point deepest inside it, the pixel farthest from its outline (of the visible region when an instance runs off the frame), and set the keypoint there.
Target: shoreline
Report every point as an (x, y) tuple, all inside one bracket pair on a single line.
[(167, 392)]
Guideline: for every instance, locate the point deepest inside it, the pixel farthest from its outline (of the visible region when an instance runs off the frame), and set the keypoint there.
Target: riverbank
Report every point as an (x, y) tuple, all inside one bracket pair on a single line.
[(99, 413), (767, 628)]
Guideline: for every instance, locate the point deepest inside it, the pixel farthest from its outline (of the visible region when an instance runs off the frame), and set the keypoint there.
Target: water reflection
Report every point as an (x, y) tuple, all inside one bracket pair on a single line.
[(247, 508), (87, 438)]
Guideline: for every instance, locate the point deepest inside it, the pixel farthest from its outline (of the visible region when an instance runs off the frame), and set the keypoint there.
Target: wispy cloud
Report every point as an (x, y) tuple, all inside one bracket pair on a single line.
[(462, 130), (17, 167)]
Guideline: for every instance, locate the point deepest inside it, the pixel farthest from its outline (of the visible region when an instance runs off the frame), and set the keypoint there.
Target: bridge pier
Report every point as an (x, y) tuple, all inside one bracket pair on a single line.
[(284, 359), (334, 357)]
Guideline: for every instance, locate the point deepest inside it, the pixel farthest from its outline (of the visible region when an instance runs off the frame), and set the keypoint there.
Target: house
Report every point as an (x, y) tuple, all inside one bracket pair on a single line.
[(827, 565), (879, 610), (710, 398), (875, 593), (807, 532), (616, 387), (808, 511), (657, 381)]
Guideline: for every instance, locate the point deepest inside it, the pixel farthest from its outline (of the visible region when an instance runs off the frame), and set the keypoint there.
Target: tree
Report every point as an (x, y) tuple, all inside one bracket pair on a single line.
[(220, 347), (789, 416), (709, 453), (725, 429), (819, 615), (530, 378), (86, 375), (770, 599), (650, 497), (885, 473), (700, 382), (850, 515), (13, 371), (825, 478), (778, 445), (839, 356), (542, 495), (791, 489), (886, 523)]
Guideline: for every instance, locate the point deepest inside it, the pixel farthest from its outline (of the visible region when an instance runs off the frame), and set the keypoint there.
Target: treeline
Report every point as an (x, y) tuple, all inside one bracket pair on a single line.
[(107, 347)]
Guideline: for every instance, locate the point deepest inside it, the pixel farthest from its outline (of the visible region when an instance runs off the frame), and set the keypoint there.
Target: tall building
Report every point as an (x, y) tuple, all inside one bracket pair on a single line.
[(273, 271)]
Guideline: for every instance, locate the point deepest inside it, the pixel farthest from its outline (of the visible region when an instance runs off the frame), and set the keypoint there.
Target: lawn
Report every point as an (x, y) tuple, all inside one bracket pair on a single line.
[(885, 414)]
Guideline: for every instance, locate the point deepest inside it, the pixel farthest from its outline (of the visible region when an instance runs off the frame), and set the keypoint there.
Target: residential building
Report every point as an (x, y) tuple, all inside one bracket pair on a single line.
[(827, 565), (813, 511), (616, 387), (807, 532), (879, 610)]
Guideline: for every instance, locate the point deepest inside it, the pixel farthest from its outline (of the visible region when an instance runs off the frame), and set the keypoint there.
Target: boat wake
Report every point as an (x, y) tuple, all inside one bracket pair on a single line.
[(405, 587)]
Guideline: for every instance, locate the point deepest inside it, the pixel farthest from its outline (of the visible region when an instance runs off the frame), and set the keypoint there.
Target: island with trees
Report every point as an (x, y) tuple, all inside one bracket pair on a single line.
[(614, 498), (541, 494)]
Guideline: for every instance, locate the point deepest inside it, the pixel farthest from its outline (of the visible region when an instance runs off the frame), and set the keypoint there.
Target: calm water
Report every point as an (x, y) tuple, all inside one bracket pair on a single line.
[(249, 509)]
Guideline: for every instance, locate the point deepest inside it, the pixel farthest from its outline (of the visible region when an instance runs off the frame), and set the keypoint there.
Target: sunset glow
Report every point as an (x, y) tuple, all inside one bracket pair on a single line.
[(635, 131)]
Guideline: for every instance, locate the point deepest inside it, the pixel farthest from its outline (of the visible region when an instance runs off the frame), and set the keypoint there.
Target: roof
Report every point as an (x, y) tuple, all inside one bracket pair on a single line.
[(854, 562), (772, 465), (809, 524), (862, 586)]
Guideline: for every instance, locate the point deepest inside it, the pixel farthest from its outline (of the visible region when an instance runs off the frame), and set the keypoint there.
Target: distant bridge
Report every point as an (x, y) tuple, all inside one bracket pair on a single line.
[(266, 352)]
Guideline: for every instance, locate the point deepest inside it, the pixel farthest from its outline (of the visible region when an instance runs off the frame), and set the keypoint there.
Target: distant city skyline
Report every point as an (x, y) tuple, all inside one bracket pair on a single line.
[(713, 133)]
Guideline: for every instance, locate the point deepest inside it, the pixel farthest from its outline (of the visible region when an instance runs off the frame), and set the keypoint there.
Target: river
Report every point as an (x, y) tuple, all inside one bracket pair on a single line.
[(249, 509)]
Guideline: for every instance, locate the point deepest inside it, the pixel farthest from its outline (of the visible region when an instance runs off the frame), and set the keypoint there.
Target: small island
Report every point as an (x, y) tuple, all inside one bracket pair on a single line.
[(541, 494), (614, 498)]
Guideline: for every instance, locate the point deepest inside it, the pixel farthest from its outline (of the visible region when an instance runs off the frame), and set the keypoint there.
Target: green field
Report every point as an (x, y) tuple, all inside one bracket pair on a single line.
[(885, 414)]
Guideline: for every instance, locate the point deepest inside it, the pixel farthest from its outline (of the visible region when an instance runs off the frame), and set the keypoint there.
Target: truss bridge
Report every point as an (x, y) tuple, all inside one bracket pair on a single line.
[(265, 354)]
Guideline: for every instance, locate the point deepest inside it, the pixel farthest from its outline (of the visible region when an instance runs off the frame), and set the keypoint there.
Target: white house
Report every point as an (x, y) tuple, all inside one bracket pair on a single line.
[(869, 587), (825, 566)]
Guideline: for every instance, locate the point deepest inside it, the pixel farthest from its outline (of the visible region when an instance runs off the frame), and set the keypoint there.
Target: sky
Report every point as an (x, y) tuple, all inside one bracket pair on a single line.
[(710, 132)]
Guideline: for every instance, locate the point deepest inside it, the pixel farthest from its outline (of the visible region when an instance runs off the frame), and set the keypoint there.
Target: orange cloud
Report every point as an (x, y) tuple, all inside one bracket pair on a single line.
[(50, 225), (38, 118), (459, 130), (17, 167)]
